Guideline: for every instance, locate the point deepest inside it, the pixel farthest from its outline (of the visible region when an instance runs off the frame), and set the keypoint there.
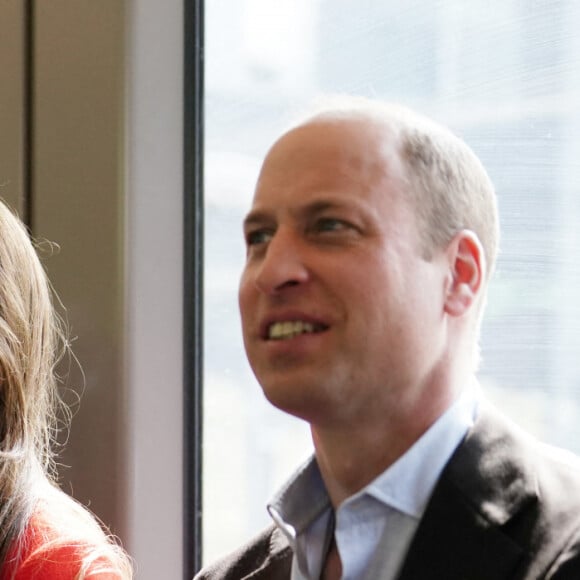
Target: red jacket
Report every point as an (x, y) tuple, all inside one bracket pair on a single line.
[(59, 540)]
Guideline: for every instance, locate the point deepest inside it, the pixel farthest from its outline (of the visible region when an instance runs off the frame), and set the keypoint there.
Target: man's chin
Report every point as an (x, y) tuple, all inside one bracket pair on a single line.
[(301, 402)]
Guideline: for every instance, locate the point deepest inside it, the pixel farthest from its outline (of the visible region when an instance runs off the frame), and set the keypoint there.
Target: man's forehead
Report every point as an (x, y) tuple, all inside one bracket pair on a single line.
[(345, 143), (353, 125), (329, 151)]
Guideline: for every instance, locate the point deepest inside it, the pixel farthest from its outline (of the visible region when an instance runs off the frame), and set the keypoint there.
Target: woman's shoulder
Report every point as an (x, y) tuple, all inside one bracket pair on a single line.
[(62, 541)]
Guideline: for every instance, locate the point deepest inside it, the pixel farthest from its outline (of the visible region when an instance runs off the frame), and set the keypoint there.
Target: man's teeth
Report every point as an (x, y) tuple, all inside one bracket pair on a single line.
[(284, 330)]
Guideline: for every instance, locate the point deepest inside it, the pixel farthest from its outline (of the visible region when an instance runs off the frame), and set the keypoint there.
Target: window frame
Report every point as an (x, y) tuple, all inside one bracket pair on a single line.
[(193, 210)]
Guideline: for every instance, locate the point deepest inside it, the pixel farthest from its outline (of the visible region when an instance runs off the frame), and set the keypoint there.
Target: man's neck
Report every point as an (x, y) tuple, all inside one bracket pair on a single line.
[(352, 455)]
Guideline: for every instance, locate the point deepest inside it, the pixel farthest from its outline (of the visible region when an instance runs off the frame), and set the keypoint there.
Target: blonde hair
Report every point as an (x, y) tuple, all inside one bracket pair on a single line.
[(32, 341)]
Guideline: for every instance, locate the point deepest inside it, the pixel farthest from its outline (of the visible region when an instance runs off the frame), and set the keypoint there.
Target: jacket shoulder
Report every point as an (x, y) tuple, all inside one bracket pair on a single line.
[(526, 490), (268, 555), (60, 542)]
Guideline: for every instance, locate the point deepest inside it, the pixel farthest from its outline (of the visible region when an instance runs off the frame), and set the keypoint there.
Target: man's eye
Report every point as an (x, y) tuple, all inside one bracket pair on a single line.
[(330, 225), (258, 237)]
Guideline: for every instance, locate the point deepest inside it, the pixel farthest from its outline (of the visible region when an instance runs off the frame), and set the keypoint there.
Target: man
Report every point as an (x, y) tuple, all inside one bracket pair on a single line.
[(370, 243)]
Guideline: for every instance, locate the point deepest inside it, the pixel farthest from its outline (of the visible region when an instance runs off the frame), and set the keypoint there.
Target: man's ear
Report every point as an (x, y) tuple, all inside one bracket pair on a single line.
[(466, 272)]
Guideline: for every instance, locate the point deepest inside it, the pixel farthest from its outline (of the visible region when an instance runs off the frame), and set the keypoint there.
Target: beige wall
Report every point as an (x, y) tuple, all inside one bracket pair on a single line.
[(77, 202), (107, 186), (12, 108)]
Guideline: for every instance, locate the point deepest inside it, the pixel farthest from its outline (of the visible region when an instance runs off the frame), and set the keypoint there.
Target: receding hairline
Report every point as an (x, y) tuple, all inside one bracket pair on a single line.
[(393, 121), (407, 132), (392, 115)]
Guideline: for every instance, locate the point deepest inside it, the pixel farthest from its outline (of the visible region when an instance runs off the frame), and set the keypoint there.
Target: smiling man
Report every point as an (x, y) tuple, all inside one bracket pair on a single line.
[(370, 242)]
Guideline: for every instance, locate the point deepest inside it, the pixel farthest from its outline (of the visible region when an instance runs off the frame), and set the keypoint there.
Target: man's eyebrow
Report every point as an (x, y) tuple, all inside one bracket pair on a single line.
[(255, 218), (258, 217), (322, 205)]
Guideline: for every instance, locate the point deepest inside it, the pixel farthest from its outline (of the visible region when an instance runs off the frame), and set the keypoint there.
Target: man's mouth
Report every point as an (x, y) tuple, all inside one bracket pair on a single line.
[(289, 329)]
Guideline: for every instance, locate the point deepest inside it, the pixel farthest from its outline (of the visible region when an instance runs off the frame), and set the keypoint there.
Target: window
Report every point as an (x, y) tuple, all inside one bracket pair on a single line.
[(505, 75)]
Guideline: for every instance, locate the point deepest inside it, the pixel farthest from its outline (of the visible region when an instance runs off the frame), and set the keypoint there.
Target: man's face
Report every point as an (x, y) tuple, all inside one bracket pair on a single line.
[(340, 312)]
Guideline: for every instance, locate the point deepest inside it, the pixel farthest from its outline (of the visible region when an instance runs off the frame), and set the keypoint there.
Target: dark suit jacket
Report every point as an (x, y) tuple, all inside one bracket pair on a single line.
[(505, 507)]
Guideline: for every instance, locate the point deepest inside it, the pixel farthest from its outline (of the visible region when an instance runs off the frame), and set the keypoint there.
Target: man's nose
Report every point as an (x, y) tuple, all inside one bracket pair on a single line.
[(283, 264)]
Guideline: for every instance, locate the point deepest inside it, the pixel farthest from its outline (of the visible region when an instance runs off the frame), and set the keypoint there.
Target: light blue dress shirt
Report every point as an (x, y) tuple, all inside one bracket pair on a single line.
[(374, 528)]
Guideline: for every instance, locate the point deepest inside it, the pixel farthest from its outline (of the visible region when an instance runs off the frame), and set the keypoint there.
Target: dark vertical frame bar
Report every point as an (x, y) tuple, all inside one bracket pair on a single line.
[(28, 121), (193, 282)]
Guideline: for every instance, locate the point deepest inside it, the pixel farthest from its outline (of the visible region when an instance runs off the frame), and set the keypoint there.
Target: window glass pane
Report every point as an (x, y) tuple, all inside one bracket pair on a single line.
[(505, 75)]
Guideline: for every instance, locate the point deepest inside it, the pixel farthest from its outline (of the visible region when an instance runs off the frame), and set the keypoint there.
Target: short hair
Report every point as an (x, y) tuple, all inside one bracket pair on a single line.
[(448, 187)]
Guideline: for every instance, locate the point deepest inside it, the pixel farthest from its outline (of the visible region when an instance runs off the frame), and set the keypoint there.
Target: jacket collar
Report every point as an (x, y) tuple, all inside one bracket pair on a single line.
[(278, 563), (464, 530)]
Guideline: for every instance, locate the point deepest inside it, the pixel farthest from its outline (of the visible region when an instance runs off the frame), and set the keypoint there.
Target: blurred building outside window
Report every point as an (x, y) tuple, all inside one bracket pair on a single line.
[(505, 75)]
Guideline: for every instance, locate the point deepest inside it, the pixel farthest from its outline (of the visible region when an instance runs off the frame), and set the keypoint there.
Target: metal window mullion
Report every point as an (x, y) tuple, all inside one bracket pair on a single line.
[(193, 282)]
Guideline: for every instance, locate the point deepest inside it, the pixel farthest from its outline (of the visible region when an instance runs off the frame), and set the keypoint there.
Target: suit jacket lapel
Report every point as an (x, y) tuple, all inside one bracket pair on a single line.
[(278, 561), (464, 532)]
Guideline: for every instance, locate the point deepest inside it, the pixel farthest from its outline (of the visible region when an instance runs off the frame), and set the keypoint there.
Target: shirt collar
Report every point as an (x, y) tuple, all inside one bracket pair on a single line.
[(301, 501), (406, 485)]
